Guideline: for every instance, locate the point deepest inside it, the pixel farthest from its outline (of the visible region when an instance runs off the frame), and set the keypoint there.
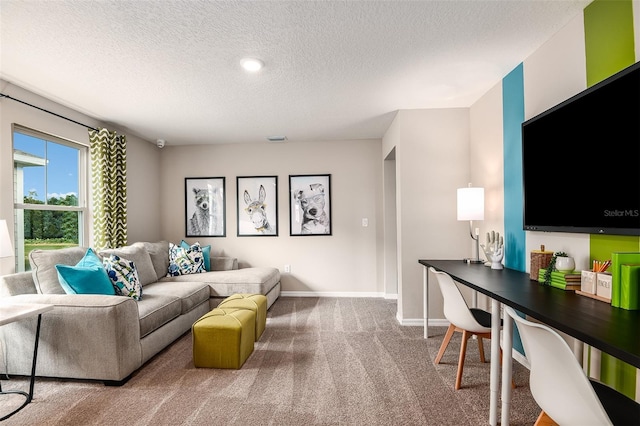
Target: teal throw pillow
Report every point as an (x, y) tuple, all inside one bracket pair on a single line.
[(185, 261), (124, 276), (206, 253), (87, 277)]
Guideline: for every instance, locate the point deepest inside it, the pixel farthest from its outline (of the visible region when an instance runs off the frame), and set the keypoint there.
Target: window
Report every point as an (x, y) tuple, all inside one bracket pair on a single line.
[(50, 176)]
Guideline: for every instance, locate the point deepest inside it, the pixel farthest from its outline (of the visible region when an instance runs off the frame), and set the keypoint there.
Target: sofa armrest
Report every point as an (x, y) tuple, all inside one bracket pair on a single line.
[(20, 283), (223, 263), (83, 337)]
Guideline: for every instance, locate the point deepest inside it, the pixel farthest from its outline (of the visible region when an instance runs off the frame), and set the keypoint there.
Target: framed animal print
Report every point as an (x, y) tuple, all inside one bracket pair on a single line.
[(257, 206), (205, 207), (310, 204)]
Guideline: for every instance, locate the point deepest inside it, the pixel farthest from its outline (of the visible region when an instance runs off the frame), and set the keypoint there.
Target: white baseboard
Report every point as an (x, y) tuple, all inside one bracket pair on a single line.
[(332, 294), (419, 322)]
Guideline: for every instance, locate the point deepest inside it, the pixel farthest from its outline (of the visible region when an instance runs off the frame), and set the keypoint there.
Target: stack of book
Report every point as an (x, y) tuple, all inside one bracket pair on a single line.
[(562, 280)]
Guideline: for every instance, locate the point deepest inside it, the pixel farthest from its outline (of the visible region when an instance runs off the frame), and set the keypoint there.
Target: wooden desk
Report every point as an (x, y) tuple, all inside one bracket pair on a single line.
[(612, 330), (9, 313)]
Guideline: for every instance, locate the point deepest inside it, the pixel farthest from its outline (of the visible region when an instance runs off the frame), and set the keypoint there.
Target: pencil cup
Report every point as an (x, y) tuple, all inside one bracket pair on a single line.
[(588, 282), (604, 285)]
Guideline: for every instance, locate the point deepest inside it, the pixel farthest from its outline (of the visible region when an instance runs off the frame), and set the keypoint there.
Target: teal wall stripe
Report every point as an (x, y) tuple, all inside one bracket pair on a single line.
[(512, 118)]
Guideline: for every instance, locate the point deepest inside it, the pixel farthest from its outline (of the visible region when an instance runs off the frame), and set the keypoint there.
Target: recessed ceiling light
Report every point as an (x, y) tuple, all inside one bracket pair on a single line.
[(252, 64)]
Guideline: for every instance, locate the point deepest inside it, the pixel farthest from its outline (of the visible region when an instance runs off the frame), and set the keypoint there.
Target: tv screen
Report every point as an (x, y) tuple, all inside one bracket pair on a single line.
[(581, 161)]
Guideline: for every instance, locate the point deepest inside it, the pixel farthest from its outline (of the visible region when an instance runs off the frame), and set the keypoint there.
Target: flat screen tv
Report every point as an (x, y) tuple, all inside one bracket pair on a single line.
[(581, 161)]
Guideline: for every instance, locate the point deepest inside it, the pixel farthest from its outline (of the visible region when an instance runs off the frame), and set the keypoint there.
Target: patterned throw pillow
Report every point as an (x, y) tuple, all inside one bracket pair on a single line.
[(124, 276), (185, 261), (206, 252)]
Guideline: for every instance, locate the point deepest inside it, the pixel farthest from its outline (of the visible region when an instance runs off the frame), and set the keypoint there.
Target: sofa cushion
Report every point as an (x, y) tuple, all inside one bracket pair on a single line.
[(191, 294), (86, 277), (123, 275), (159, 253), (43, 267), (140, 257), (257, 280), (155, 310), (223, 263)]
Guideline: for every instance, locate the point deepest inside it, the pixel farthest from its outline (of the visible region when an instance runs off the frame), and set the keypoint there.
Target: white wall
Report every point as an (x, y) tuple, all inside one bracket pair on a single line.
[(487, 164), (349, 262), (142, 159), (143, 191), (432, 161), (553, 73)]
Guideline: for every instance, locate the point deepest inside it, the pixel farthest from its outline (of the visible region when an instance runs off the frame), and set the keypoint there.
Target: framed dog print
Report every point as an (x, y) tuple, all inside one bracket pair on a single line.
[(205, 207), (257, 206), (310, 204)]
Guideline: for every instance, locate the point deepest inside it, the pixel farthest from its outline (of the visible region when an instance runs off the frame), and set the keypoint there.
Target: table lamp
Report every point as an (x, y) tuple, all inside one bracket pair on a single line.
[(471, 207)]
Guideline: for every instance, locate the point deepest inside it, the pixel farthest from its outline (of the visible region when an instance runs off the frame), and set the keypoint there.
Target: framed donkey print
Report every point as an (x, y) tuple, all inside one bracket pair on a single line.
[(257, 206), (310, 204), (205, 207)]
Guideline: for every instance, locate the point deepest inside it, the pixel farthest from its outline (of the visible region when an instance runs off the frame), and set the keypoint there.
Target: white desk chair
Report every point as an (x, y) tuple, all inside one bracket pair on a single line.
[(562, 389), (468, 321)]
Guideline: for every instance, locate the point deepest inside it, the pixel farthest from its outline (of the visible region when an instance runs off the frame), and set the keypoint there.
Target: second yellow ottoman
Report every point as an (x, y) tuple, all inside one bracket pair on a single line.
[(254, 302), (223, 338)]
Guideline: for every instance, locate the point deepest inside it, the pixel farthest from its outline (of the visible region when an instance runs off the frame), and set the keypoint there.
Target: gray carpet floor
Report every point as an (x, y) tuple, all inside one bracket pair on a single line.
[(320, 361)]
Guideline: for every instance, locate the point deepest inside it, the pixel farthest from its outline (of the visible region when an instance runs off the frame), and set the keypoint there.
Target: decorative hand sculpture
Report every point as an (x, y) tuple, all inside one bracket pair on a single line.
[(494, 248), (496, 258)]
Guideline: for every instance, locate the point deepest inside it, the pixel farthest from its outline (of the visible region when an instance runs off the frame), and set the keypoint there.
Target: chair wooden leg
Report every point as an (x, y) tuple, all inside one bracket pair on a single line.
[(463, 351), (481, 349), (544, 420), (445, 343)]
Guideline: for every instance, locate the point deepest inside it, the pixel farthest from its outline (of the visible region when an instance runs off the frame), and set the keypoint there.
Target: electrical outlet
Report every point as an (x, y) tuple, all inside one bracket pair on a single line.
[(287, 268), (365, 222)]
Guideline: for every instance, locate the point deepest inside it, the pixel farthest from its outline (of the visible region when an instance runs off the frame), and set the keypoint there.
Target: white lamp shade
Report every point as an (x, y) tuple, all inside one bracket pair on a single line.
[(471, 204), (6, 249)]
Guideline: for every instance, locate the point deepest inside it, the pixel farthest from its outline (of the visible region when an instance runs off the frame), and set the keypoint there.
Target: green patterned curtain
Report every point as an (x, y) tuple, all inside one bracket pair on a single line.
[(109, 188)]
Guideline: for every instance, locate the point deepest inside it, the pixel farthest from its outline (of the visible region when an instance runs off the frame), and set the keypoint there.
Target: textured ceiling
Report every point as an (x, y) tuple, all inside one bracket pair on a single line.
[(333, 69)]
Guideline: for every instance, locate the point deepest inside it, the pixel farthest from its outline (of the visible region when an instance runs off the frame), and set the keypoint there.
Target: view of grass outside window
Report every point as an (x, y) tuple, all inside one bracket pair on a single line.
[(49, 200)]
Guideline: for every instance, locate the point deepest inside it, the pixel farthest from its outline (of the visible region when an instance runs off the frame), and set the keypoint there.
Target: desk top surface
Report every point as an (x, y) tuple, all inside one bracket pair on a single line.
[(10, 312), (615, 331)]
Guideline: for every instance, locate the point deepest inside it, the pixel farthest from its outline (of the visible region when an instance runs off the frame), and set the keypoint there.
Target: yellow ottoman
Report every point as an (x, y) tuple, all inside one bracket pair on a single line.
[(254, 302), (223, 338)]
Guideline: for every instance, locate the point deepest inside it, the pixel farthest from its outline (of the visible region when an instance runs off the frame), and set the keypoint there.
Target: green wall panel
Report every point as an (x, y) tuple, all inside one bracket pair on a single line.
[(619, 375), (609, 48), (609, 45), (601, 246)]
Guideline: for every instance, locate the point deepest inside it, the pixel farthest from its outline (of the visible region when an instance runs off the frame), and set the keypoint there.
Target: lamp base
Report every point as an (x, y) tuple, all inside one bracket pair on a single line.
[(473, 261)]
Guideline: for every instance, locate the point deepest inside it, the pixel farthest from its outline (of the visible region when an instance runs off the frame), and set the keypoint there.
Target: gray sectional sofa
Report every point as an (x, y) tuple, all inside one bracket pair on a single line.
[(107, 338)]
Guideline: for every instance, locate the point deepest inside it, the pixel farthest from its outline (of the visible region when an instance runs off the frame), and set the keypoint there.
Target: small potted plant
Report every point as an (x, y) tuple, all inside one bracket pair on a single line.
[(566, 263)]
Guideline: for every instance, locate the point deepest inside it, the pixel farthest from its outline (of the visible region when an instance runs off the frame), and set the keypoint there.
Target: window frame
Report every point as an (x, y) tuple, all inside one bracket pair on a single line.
[(83, 197)]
